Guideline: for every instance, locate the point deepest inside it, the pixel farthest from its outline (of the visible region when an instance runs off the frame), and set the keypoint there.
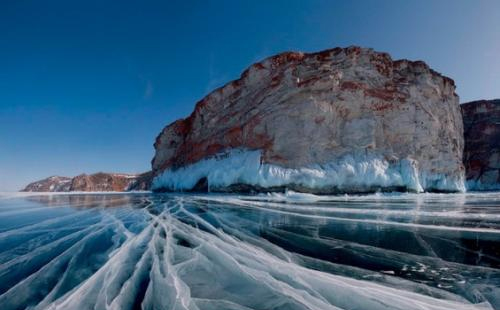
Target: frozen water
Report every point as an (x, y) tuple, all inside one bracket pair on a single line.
[(352, 172), (267, 251), (477, 185)]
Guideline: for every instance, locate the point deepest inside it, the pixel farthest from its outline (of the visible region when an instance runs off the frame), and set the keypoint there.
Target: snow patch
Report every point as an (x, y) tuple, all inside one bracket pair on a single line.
[(349, 173)]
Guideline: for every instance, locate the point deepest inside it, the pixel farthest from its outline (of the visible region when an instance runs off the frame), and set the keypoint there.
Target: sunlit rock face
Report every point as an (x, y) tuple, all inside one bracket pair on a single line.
[(103, 182), (482, 144), (97, 182), (340, 120)]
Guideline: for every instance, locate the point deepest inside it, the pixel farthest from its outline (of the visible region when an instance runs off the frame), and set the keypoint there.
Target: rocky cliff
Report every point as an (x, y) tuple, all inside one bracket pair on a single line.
[(50, 184), (482, 144), (340, 120), (98, 182)]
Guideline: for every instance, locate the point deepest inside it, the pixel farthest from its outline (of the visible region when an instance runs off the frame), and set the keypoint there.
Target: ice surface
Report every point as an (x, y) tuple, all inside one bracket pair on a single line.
[(349, 173), (477, 185), (268, 251)]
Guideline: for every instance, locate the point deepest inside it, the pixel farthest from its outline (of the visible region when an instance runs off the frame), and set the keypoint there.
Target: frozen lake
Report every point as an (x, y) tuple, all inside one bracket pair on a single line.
[(280, 251)]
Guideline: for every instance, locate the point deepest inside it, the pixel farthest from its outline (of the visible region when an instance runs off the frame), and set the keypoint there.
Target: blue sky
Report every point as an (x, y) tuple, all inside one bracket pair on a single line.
[(86, 86)]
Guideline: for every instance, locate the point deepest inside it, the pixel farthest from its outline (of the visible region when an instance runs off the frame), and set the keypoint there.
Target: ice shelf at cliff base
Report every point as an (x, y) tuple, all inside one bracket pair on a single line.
[(241, 170)]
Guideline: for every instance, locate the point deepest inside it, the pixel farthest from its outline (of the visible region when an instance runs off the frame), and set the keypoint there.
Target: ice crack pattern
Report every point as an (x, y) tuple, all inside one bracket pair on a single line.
[(279, 251)]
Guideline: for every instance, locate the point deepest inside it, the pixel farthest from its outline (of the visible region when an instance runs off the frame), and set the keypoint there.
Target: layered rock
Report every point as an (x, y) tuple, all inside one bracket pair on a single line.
[(98, 182), (482, 144), (340, 120)]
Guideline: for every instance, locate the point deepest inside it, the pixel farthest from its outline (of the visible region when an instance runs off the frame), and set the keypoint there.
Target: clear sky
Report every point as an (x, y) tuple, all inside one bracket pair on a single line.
[(86, 86)]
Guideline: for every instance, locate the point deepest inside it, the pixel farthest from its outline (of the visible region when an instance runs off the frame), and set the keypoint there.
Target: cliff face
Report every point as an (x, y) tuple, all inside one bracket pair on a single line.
[(341, 120), (142, 182), (482, 144), (98, 182), (102, 182)]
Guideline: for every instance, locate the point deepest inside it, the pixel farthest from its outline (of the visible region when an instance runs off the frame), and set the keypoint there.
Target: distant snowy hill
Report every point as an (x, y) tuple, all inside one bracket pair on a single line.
[(98, 182)]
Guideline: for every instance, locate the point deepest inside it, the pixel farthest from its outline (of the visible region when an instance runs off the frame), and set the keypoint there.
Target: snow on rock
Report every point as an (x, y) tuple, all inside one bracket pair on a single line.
[(97, 182), (341, 120), (51, 184), (482, 144)]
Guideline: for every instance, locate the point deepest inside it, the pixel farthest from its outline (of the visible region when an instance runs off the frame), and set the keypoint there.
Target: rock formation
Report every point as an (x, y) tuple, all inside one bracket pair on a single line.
[(50, 184), (341, 120), (142, 182), (98, 182), (482, 144)]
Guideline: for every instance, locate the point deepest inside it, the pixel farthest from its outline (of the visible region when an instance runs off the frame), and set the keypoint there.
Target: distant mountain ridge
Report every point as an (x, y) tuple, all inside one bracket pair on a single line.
[(97, 182)]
